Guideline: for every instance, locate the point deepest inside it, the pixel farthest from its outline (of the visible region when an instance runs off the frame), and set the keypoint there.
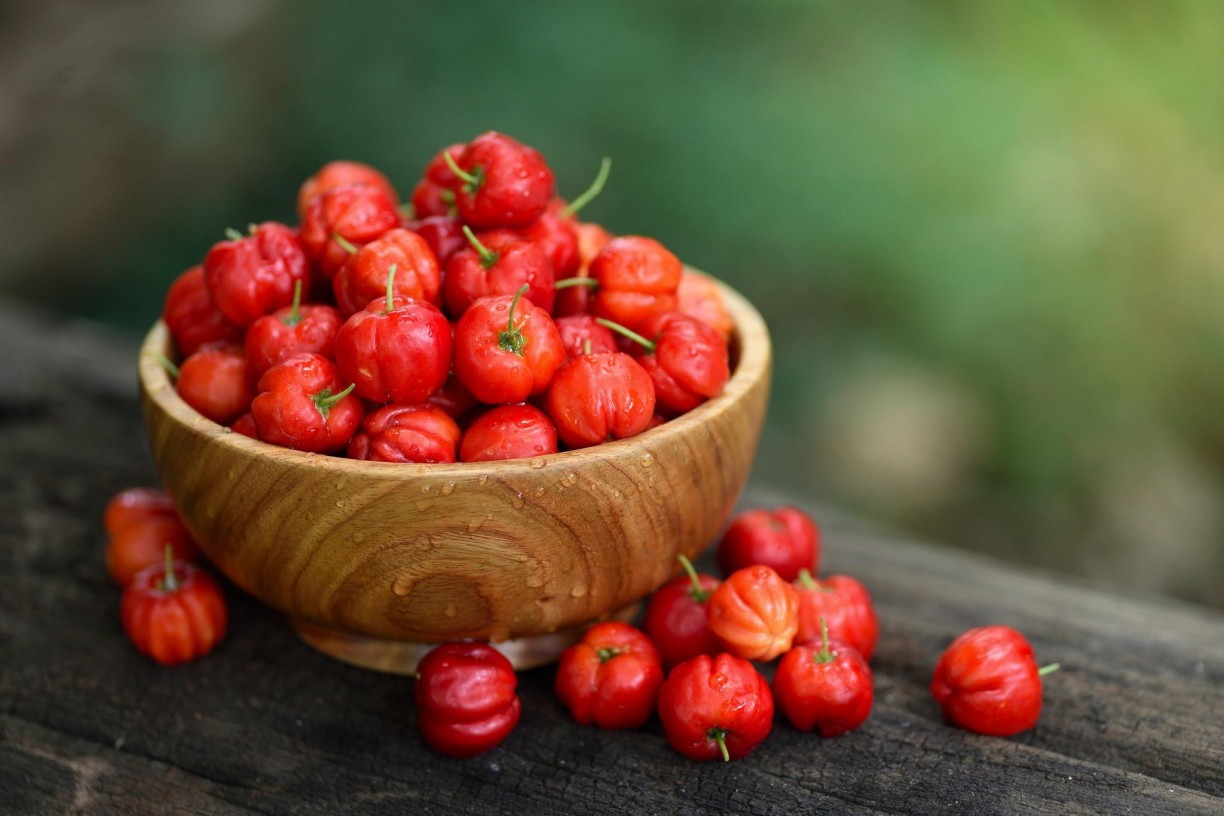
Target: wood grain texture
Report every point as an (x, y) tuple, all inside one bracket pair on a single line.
[(429, 553), (266, 725)]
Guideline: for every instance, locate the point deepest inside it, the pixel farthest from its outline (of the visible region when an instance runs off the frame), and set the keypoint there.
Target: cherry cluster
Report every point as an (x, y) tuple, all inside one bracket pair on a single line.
[(479, 321)]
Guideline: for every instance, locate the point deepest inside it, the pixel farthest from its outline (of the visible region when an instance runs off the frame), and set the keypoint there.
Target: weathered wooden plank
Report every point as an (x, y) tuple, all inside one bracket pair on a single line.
[(1133, 722)]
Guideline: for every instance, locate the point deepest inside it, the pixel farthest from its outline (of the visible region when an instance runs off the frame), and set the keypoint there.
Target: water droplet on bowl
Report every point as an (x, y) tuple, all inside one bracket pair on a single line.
[(450, 611), (539, 491), (402, 586), (647, 460), (475, 524), (570, 479), (579, 590), (517, 502), (448, 488), (482, 478), (536, 464)]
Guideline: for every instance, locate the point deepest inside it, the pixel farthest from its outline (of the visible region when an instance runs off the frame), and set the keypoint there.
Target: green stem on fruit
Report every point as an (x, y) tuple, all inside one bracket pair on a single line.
[(390, 288), (325, 399), (164, 362), (233, 234), (806, 580), (719, 735), (586, 349), (344, 243), (251, 227), (407, 211), (487, 256), (566, 283), (649, 345), (295, 314), (169, 581), (697, 593), (606, 653), (595, 189), (824, 655), (511, 339), (1050, 669), (471, 181)]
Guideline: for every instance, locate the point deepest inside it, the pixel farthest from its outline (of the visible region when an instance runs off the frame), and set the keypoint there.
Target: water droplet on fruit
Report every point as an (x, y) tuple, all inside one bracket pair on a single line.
[(718, 681), (450, 611)]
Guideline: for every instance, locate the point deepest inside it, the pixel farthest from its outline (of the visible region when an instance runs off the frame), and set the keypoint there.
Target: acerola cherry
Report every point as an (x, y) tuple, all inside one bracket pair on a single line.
[(699, 297), (304, 405), (506, 349), (845, 605), (214, 381), (754, 613), (141, 543), (466, 698), (599, 397), (249, 276), (611, 677), (341, 174), (340, 221), (826, 686), (501, 182), (582, 334), (716, 708), (497, 263), (407, 433), (174, 612), (292, 330), (508, 432), (191, 317), (434, 194), (637, 278), (988, 682), (364, 276), (784, 538), (676, 618)]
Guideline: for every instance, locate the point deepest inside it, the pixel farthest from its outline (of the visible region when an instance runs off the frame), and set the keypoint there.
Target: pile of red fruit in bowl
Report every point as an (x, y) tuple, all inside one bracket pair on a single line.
[(478, 321)]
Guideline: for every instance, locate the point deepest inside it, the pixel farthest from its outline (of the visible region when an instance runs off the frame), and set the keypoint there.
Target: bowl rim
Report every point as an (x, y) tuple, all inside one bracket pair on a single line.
[(751, 357)]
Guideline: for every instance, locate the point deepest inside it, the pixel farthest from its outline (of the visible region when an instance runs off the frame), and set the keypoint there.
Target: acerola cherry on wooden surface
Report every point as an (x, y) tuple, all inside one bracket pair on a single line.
[(600, 397), (716, 707), (396, 349), (191, 317), (686, 359), (140, 543), (676, 618), (785, 538), (988, 682), (827, 687), (364, 276), (407, 433), (341, 173), (290, 330), (303, 404), (497, 263), (137, 504), (249, 276), (611, 677), (846, 606), (754, 613), (508, 432), (501, 182), (215, 382), (506, 349), (173, 612), (637, 278), (354, 213), (466, 698)]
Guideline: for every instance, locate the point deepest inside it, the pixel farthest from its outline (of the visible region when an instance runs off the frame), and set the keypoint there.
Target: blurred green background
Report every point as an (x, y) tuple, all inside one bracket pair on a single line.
[(988, 238)]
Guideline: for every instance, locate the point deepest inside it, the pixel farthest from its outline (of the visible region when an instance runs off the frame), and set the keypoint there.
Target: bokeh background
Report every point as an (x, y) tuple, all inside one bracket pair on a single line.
[(988, 238)]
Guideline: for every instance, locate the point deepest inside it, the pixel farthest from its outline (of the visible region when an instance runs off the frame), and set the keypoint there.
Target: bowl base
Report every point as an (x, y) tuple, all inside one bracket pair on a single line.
[(401, 656)]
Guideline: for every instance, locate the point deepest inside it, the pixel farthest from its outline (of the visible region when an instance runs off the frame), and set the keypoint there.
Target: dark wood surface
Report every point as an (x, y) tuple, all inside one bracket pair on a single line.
[(1134, 722)]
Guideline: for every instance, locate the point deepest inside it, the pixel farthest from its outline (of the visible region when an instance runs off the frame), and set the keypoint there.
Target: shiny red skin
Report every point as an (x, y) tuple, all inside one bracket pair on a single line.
[(191, 317), (501, 366), (677, 621), (518, 262), (140, 543), (846, 606), (358, 213), (407, 433), (342, 173), (214, 381), (466, 698), (135, 505), (434, 193), (508, 432), (173, 624), (610, 678), (249, 277), (278, 336), (600, 397), (699, 297), (709, 694), (292, 409), (754, 613), (987, 681), (401, 354), (785, 538), (576, 300), (513, 183), (554, 233), (364, 276), (637, 279), (829, 691), (577, 331), (245, 425), (689, 363), (444, 235)]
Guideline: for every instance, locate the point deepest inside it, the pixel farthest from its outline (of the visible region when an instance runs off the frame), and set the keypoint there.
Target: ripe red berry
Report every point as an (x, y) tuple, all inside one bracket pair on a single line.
[(784, 538), (501, 182), (508, 432)]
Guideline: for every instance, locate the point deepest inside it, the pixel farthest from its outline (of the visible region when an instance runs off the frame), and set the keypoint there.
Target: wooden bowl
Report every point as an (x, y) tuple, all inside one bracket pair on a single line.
[(374, 562)]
